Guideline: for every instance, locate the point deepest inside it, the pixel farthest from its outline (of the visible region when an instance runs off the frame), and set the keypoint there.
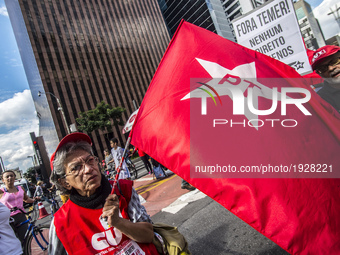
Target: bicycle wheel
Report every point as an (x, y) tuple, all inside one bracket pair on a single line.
[(133, 171), (37, 245)]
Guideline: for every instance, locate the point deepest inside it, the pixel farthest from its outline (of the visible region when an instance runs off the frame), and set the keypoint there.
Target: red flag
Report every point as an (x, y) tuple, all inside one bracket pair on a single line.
[(309, 54), (312, 78), (300, 215)]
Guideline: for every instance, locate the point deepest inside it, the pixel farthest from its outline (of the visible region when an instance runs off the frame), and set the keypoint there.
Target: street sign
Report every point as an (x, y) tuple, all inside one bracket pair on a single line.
[(129, 123)]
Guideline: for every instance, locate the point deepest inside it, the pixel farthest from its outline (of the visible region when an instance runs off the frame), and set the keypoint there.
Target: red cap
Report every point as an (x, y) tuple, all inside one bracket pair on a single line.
[(73, 137), (322, 53)]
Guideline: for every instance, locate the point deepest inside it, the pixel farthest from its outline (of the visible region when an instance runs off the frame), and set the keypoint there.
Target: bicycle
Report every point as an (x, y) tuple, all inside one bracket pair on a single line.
[(36, 237), (55, 205), (131, 166)]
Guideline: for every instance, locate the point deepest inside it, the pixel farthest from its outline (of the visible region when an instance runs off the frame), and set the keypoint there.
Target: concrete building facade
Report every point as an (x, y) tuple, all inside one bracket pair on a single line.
[(309, 26), (334, 40), (85, 52)]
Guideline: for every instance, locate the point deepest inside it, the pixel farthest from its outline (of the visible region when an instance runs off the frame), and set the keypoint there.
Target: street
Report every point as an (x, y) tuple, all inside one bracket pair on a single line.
[(211, 229), (208, 227)]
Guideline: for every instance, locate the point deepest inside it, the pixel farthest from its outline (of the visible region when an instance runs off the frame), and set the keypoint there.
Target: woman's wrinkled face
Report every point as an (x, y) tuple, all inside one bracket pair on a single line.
[(8, 178), (82, 172)]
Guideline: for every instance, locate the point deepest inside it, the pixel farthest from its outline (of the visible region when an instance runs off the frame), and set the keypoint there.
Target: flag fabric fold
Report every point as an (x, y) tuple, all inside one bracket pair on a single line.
[(300, 215)]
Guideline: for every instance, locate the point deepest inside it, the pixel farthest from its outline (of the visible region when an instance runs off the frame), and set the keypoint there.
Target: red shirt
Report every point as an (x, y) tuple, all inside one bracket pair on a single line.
[(81, 231)]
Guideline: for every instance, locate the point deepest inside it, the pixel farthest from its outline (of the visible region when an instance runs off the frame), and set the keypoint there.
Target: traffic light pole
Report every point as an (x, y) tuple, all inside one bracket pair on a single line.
[(60, 108)]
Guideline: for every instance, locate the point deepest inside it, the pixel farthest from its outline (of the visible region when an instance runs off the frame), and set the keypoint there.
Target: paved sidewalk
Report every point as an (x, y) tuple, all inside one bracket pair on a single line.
[(158, 194)]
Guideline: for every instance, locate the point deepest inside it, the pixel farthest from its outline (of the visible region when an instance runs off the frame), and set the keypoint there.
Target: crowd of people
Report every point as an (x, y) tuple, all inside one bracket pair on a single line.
[(12, 196), (78, 177), (12, 231)]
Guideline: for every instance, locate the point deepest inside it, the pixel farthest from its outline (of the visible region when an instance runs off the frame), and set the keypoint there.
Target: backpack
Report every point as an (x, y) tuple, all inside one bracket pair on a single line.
[(172, 241), (158, 171)]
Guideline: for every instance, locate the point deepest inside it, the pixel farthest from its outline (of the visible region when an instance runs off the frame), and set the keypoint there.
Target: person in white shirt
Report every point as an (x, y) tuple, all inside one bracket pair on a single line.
[(117, 154), (9, 243)]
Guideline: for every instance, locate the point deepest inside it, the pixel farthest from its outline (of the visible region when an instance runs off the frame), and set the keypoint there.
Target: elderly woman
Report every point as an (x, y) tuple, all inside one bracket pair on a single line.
[(93, 221)]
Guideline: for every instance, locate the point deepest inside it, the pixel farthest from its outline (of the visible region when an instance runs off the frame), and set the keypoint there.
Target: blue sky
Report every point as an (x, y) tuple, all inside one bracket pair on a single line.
[(17, 112)]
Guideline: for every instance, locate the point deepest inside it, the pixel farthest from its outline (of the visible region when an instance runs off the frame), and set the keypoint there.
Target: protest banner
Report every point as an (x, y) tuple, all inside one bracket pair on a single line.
[(272, 29), (174, 127)]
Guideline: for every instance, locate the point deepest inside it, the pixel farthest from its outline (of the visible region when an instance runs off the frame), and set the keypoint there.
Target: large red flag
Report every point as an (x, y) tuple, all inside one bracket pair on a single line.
[(175, 125)]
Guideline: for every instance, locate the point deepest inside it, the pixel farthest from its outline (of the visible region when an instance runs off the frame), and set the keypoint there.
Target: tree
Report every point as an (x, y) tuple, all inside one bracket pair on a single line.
[(30, 175), (100, 118)]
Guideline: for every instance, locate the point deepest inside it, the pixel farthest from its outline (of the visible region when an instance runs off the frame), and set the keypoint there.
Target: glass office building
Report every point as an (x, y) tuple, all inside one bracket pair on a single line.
[(208, 14), (85, 52)]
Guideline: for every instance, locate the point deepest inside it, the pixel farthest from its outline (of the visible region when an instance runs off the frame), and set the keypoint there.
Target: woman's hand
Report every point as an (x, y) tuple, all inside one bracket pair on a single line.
[(111, 210), (141, 232)]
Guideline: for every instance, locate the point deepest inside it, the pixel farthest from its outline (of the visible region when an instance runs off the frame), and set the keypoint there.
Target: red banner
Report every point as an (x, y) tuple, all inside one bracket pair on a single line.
[(300, 215)]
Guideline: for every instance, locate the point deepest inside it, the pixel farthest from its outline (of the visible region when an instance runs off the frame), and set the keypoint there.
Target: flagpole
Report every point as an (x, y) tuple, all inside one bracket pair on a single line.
[(123, 158), (120, 164)]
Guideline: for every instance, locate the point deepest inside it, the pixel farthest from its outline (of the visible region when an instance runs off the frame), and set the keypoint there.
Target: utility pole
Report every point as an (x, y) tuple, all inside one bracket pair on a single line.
[(336, 14), (60, 108), (134, 105), (32, 157), (2, 166)]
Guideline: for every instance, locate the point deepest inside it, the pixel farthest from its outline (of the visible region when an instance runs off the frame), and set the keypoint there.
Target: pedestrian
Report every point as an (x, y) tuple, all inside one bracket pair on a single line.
[(117, 154), (326, 62), (12, 196), (9, 243), (187, 185), (63, 197), (158, 169), (93, 221), (109, 161), (39, 193), (145, 158)]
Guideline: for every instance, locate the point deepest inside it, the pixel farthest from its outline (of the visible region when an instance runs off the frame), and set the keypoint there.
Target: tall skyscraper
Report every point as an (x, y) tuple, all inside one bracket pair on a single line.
[(213, 15), (79, 53), (309, 25), (208, 14)]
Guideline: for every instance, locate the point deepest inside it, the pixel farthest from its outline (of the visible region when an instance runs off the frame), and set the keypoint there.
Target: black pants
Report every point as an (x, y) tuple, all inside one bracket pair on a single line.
[(20, 231), (147, 163)]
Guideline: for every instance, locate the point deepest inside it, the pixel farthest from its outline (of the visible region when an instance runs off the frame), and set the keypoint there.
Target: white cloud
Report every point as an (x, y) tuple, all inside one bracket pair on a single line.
[(18, 110), (18, 116), (3, 11), (327, 22)]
